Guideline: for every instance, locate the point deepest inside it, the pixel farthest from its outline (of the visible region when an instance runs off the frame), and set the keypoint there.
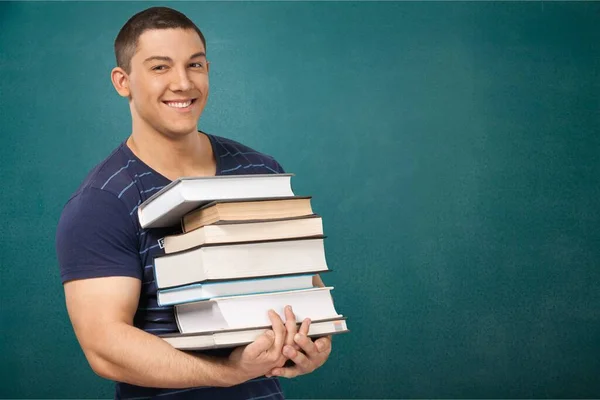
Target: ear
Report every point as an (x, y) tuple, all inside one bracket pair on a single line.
[(120, 81), (207, 66)]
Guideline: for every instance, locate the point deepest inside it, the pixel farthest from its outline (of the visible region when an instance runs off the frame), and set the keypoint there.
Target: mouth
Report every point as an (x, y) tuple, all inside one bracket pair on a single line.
[(182, 105)]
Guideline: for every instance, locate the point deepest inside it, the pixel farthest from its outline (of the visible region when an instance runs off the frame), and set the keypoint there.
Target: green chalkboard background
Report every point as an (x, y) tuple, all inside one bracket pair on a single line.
[(452, 149)]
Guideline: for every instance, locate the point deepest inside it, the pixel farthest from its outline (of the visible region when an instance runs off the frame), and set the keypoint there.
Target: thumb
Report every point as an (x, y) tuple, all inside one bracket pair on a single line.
[(261, 344)]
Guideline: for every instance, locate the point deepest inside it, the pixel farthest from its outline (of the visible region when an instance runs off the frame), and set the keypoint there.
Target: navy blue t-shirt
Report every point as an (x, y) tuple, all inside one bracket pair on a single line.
[(99, 235)]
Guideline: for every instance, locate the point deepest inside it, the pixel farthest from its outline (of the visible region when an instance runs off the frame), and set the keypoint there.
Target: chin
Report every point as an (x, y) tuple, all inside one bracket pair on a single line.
[(180, 131)]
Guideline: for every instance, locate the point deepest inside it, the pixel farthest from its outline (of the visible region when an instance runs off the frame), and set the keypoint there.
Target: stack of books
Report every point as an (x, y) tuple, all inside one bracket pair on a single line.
[(248, 245)]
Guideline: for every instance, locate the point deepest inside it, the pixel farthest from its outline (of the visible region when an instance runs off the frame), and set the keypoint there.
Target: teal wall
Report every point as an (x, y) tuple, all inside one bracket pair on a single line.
[(451, 147)]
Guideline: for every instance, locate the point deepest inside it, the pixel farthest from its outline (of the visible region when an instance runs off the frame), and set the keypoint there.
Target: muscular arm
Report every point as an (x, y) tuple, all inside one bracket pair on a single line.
[(102, 310)]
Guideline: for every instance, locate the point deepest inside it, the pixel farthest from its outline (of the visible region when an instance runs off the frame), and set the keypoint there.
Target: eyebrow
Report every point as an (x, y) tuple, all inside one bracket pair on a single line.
[(169, 59)]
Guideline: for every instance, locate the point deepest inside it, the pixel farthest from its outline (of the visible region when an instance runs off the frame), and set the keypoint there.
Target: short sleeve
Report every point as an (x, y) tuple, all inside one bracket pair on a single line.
[(96, 237)]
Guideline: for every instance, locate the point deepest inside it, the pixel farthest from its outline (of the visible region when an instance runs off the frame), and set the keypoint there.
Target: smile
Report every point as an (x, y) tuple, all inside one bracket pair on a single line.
[(180, 104)]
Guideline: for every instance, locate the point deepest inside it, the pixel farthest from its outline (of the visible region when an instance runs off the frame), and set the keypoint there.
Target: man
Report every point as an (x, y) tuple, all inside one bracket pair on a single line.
[(105, 257)]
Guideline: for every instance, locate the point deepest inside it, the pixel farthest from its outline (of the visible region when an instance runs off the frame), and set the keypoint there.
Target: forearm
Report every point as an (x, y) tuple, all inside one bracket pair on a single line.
[(317, 281), (126, 354)]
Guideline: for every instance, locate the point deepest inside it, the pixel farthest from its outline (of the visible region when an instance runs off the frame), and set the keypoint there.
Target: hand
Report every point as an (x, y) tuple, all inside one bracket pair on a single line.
[(315, 354), (262, 355)]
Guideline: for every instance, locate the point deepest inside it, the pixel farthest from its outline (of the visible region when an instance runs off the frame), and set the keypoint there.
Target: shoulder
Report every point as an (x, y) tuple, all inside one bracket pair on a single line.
[(236, 158), (111, 175), (112, 183), (97, 201), (97, 232)]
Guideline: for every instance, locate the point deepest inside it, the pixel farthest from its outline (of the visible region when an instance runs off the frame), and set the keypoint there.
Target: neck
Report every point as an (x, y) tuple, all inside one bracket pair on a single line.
[(173, 157)]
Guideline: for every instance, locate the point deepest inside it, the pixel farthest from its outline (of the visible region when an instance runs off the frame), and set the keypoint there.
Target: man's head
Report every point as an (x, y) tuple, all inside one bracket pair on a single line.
[(162, 70), (152, 18)]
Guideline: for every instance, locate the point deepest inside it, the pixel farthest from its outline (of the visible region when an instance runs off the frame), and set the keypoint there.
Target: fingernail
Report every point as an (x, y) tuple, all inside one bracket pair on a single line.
[(297, 336), (287, 351), (275, 372), (319, 346), (290, 308)]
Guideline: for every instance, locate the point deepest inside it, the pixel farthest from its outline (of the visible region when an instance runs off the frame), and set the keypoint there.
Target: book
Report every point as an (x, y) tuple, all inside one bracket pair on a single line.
[(240, 337), (248, 209), (205, 291), (245, 231), (235, 312), (240, 260), (166, 207)]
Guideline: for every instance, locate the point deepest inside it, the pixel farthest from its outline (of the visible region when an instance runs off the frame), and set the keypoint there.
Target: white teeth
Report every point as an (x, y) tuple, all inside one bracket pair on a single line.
[(179, 105)]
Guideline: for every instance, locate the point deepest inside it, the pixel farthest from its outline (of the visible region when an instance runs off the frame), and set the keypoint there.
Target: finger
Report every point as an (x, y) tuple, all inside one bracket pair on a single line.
[(278, 329), (290, 326), (303, 363), (306, 344), (285, 372), (261, 344), (305, 326), (323, 344)]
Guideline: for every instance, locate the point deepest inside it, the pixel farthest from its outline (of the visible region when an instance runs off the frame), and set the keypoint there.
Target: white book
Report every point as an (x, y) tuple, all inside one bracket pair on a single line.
[(238, 312), (240, 260), (245, 231), (208, 290), (167, 206), (240, 337)]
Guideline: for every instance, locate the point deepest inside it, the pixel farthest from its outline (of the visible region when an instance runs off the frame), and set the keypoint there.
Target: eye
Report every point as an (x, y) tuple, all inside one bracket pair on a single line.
[(196, 65), (159, 68)]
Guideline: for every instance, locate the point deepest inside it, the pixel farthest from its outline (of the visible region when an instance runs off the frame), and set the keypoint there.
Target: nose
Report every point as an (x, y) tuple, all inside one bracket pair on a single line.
[(181, 81)]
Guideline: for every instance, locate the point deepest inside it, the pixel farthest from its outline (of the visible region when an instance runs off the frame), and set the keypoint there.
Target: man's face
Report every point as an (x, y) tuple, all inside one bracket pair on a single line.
[(168, 81)]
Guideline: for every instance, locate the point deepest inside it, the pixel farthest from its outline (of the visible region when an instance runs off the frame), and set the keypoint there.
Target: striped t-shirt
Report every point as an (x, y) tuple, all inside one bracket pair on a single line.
[(99, 235)]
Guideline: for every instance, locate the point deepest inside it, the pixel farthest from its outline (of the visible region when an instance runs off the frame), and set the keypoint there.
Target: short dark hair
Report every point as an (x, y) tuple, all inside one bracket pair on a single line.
[(151, 18)]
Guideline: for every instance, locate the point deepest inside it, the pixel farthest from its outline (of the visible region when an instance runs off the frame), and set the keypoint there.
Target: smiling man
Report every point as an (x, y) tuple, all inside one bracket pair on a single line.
[(106, 258)]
